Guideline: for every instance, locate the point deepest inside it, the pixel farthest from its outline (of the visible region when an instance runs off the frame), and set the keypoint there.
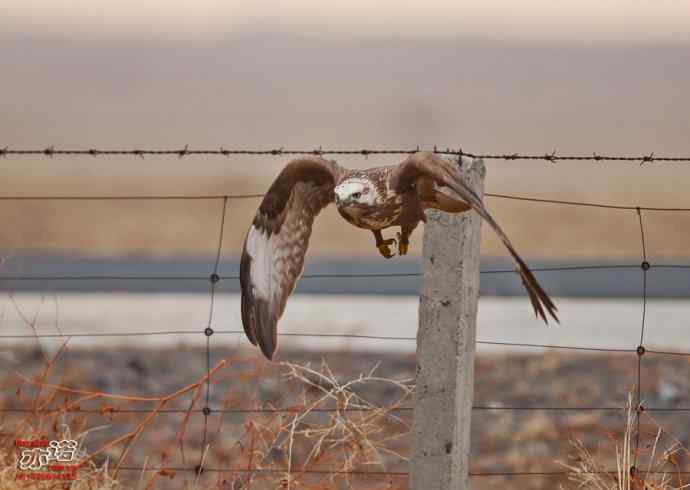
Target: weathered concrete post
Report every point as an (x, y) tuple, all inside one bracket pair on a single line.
[(446, 345)]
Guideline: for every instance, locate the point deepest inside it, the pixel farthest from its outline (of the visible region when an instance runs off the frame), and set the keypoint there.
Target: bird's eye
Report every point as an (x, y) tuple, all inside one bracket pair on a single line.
[(356, 195)]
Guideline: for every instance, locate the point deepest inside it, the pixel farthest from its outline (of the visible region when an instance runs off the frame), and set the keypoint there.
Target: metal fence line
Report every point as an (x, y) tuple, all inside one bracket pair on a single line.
[(552, 157), (326, 275), (208, 331), (391, 473), (214, 277), (271, 471), (340, 336), (241, 411), (202, 197), (640, 351)]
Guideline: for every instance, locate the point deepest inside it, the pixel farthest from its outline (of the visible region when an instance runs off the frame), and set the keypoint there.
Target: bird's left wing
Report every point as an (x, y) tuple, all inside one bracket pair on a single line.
[(425, 164), (275, 245)]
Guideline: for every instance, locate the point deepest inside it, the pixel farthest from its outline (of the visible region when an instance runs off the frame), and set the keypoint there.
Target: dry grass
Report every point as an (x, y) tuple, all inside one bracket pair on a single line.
[(648, 467), (334, 429), (329, 435), (318, 430), (40, 421)]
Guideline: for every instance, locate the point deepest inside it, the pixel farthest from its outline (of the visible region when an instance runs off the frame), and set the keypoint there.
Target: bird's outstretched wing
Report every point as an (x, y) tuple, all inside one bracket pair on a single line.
[(275, 245), (428, 165)]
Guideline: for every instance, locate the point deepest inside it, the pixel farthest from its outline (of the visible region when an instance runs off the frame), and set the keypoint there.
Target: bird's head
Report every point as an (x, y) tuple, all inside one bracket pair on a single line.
[(355, 193)]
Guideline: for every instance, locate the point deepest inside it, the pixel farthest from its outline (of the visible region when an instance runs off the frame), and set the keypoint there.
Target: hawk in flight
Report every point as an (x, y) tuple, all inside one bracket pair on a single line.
[(373, 199)]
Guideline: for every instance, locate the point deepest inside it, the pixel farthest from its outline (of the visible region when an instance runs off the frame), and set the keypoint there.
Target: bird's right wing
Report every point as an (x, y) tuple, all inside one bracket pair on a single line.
[(275, 245), (424, 164)]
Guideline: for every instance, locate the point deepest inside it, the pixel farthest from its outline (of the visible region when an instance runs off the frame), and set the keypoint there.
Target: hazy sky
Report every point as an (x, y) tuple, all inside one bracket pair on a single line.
[(582, 21)]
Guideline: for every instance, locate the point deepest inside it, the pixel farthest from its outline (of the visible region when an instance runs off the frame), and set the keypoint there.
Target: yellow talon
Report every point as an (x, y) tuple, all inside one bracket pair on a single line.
[(402, 246), (384, 249)]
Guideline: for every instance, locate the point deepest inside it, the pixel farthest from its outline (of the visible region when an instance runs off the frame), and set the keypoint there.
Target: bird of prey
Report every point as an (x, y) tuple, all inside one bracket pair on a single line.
[(373, 199)]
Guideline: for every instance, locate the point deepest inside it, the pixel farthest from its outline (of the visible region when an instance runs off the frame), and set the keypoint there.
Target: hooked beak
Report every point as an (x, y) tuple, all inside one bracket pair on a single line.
[(339, 199)]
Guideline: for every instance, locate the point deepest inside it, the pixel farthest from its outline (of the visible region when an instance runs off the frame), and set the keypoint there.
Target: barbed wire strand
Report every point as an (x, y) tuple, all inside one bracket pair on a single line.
[(552, 157)]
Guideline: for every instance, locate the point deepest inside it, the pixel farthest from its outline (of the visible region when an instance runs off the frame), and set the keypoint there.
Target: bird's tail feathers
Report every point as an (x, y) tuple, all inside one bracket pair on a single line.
[(538, 297)]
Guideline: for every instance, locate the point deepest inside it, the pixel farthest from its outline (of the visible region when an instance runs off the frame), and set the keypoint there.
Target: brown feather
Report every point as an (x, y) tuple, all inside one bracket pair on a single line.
[(281, 229), (428, 165)]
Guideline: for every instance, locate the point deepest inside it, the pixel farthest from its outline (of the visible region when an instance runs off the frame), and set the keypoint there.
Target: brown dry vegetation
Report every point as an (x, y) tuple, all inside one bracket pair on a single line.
[(655, 466), (363, 428)]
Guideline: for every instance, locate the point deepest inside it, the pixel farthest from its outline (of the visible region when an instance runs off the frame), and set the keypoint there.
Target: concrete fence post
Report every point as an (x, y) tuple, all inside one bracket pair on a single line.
[(446, 346)]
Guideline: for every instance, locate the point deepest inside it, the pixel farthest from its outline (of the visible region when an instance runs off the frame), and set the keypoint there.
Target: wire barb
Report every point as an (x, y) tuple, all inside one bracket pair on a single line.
[(551, 157), (648, 158)]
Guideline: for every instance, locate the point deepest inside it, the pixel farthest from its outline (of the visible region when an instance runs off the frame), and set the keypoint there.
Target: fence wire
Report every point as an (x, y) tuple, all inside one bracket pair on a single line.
[(215, 276), (552, 157), (199, 197)]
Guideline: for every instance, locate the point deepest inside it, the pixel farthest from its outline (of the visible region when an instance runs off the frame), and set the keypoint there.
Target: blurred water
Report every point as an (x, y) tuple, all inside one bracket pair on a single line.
[(607, 323)]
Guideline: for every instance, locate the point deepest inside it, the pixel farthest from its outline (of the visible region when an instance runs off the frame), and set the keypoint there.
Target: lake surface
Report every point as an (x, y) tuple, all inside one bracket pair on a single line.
[(180, 318)]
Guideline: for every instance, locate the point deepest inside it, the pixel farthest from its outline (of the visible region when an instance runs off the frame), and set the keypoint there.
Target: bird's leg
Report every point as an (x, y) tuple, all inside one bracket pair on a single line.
[(404, 240), (382, 244)]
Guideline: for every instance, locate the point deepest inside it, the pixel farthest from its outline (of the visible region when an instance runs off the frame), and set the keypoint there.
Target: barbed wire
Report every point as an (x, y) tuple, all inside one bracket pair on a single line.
[(552, 157)]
